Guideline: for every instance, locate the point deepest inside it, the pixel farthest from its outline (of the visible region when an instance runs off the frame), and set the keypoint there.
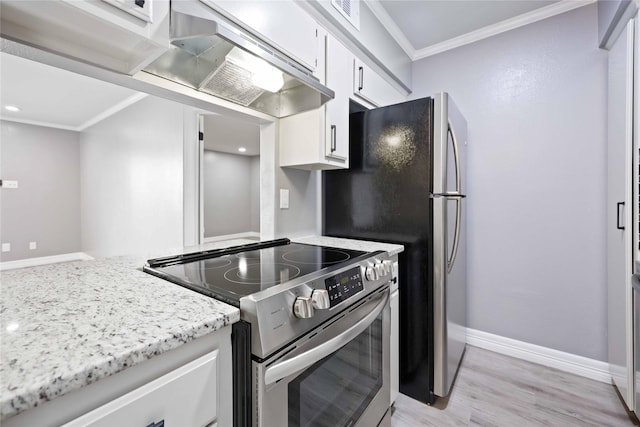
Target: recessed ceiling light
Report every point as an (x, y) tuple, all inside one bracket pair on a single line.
[(242, 149), (11, 108)]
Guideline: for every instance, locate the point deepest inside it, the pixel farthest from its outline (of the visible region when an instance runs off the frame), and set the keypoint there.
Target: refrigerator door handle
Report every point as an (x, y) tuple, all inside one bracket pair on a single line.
[(456, 237), (456, 156)]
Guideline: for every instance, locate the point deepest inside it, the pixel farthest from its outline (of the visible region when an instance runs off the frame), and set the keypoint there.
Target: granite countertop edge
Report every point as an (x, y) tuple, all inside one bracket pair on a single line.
[(61, 345)]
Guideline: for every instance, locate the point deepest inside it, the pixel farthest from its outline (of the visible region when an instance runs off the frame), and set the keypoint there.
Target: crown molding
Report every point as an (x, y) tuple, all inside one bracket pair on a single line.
[(112, 110), (491, 30), (92, 121), (508, 24), (39, 123), (389, 24)]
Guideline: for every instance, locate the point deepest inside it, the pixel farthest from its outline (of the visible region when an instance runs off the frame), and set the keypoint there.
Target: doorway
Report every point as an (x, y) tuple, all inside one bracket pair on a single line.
[(230, 178)]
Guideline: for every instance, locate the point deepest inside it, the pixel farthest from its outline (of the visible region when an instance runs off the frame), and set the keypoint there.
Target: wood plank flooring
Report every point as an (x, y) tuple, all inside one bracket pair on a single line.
[(496, 390)]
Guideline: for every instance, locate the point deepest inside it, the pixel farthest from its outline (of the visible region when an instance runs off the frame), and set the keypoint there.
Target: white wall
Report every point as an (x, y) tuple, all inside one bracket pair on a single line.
[(45, 208), (131, 181), (535, 102), (230, 187)]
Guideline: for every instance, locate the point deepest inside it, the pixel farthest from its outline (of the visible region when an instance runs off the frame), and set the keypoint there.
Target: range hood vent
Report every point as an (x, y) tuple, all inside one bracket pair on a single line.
[(211, 55)]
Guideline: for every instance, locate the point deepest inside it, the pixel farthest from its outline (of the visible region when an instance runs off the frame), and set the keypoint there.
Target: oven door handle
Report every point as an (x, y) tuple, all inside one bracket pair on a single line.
[(302, 361)]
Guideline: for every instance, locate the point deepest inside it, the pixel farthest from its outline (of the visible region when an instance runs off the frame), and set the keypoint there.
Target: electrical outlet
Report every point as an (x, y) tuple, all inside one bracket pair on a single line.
[(6, 247), (284, 198), (33, 245)]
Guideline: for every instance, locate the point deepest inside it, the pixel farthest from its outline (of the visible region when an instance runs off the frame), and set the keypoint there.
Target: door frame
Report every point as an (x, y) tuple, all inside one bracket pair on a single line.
[(193, 153)]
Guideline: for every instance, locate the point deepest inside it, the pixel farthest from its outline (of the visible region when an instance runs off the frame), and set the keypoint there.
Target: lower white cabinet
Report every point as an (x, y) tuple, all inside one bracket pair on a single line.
[(186, 396), (190, 385)]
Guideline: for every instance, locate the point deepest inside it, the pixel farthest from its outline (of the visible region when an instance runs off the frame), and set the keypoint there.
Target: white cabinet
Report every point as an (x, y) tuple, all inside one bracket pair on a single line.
[(619, 213), (115, 34), (281, 23), (319, 139), (186, 396), (190, 385), (372, 87), (337, 110)]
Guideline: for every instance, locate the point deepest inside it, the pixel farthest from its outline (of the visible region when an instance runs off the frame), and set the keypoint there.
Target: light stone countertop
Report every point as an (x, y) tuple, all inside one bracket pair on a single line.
[(67, 325)]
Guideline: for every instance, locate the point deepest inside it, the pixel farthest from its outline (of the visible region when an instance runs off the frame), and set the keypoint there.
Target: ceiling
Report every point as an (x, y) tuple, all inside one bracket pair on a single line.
[(57, 98), (426, 27), (227, 134), (49, 96)]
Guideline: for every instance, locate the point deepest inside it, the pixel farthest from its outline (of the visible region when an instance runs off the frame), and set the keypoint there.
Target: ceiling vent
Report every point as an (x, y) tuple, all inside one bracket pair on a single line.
[(350, 9)]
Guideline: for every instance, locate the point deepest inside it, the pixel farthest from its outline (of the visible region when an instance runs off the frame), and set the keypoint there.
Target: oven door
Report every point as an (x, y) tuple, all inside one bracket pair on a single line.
[(337, 375)]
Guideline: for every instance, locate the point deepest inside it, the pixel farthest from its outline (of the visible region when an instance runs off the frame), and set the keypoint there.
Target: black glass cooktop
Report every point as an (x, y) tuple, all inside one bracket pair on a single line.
[(232, 273)]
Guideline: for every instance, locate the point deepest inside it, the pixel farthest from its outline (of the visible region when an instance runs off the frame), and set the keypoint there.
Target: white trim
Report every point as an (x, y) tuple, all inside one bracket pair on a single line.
[(112, 110), (567, 362), (247, 235), (491, 30), (39, 123), (32, 262), (92, 121), (390, 25)]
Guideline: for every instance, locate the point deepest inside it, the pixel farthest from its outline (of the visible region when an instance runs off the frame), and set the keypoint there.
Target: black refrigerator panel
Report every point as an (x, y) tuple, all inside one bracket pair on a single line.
[(385, 192), (385, 196)]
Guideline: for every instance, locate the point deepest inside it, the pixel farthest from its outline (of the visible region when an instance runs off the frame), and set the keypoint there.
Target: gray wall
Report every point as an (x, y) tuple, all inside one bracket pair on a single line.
[(132, 175), (255, 193), (231, 193), (45, 207), (535, 101)]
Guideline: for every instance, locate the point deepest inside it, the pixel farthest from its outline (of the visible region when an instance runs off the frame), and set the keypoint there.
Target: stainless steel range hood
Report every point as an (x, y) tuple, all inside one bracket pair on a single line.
[(211, 55)]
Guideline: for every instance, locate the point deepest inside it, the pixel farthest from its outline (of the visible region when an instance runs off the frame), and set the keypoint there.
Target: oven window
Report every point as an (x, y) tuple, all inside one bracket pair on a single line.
[(336, 390)]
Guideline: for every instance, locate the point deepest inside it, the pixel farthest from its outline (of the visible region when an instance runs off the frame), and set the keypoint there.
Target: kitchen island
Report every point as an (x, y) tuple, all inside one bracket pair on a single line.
[(65, 326)]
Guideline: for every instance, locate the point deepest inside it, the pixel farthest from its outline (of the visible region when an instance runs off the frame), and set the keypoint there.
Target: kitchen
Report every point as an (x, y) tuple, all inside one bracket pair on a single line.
[(527, 257)]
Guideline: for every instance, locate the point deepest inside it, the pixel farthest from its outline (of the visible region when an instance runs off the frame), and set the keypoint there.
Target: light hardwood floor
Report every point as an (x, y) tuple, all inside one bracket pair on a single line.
[(496, 390)]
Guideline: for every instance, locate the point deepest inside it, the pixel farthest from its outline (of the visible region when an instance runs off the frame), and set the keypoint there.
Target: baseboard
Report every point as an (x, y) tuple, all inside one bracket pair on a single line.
[(567, 362), (32, 262)]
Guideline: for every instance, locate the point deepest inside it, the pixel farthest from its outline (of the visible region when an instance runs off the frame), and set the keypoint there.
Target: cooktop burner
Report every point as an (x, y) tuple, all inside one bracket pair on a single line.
[(235, 272)]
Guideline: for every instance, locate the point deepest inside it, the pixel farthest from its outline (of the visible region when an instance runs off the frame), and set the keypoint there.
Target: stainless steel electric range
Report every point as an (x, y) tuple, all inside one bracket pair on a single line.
[(312, 346)]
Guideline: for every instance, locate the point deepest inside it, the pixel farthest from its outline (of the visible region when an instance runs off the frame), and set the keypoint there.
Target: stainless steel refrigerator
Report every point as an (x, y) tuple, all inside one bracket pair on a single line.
[(406, 184)]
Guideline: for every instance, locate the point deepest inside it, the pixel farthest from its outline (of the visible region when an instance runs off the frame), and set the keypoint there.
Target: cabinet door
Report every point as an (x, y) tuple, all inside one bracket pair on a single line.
[(282, 23), (370, 86), (187, 396), (619, 207), (339, 61)]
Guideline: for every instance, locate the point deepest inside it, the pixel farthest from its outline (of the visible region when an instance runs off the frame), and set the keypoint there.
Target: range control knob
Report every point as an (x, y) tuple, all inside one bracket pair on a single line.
[(303, 308), (388, 266), (380, 269), (370, 273), (320, 299)]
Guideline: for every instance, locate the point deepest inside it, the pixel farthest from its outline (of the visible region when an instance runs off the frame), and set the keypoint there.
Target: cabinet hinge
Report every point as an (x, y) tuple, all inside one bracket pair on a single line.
[(201, 136)]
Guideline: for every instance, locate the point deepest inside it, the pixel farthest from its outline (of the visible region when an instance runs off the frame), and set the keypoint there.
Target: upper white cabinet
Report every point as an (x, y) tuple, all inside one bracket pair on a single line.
[(120, 35), (337, 111), (372, 87), (281, 23), (319, 139)]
